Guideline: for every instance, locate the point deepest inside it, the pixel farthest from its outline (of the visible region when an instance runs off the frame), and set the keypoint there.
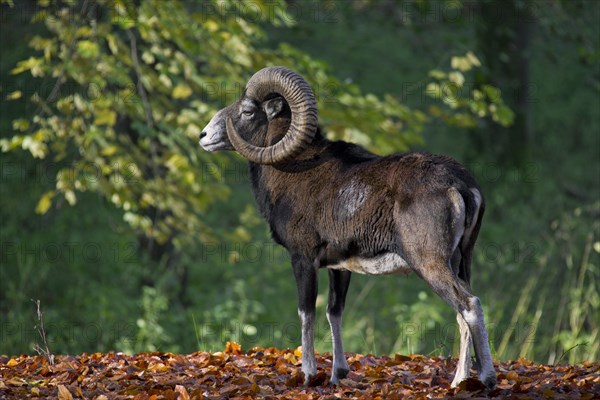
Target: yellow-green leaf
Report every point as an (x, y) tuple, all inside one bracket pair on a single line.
[(460, 63), (14, 95), (473, 59), (148, 57), (20, 124), (457, 78), (44, 202), (181, 91), (176, 161), (434, 90), (70, 196), (30, 64), (109, 150), (88, 49), (242, 234), (165, 80), (37, 148), (105, 117), (504, 115), (112, 44), (211, 25), (436, 73), (84, 31)]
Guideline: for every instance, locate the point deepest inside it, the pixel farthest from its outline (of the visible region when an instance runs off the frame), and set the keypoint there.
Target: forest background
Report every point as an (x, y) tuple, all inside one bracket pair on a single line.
[(134, 239)]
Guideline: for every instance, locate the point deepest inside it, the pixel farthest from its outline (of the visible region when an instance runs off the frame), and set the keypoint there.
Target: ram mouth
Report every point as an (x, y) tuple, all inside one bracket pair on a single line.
[(212, 146)]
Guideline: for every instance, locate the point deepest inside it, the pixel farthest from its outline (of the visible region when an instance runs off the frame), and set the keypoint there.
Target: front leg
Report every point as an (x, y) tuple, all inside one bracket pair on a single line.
[(338, 287), (306, 282)]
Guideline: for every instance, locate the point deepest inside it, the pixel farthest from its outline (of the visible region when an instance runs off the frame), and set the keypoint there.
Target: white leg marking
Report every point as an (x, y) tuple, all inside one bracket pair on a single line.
[(340, 365), (464, 358), (309, 362), (471, 317), (475, 320)]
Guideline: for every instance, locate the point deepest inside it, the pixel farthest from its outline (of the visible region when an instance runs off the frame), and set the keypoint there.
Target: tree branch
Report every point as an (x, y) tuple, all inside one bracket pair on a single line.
[(140, 85)]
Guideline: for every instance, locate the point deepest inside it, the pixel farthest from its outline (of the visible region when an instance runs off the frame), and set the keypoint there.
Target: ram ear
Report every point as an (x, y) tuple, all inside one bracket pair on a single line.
[(273, 107)]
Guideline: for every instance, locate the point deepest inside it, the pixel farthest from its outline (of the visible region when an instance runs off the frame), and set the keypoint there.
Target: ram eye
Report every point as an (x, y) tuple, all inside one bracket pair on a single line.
[(247, 113)]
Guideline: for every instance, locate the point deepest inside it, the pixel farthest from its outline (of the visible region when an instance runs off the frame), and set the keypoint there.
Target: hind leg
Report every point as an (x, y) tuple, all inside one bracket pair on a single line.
[(440, 278), (460, 266), (464, 357), (483, 356)]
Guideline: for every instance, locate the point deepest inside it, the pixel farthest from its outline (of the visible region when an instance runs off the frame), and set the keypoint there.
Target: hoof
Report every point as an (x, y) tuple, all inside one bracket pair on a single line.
[(309, 375), (307, 378), (489, 381), (338, 373), (457, 380)]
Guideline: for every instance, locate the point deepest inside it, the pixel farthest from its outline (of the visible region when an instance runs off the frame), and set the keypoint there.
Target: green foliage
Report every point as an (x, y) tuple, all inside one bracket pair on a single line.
[(481, 101), (133, 119), (101, 112), (238, 315), (577, 328), (150, 335)]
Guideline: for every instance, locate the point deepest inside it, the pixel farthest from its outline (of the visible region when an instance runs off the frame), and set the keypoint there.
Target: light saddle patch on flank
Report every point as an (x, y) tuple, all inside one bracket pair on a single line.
[(351, 197)]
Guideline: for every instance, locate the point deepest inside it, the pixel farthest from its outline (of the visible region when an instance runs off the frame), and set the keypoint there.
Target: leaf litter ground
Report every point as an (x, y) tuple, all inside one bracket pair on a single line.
[(272, 373)]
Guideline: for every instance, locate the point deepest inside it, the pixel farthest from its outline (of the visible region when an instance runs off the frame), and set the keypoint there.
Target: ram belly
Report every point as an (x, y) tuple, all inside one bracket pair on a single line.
[(384, 264)]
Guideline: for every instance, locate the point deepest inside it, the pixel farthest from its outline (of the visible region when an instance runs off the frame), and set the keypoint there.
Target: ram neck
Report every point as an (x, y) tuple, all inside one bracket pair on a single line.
[(260, 175), (259, 189)]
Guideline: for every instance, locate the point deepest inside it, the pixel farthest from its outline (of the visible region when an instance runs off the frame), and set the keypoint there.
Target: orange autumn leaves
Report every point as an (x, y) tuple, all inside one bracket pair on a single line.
[(274, 373)]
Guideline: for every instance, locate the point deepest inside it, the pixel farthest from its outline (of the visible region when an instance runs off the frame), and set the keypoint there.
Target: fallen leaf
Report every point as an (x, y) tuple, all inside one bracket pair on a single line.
[(275, 373), (512, 376), (525, 362), (318, 379), (63, 393), (233, 348), (471, 385), (12, 362), (182, 392), (399, 358), (16, 382), (294, 381)]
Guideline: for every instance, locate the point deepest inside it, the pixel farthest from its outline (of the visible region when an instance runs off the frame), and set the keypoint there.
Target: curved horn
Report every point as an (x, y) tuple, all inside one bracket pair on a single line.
[(299, 96)]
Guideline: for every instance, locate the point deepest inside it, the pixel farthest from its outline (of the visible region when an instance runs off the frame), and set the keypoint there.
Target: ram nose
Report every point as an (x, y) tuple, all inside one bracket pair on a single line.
[(202, 134)]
